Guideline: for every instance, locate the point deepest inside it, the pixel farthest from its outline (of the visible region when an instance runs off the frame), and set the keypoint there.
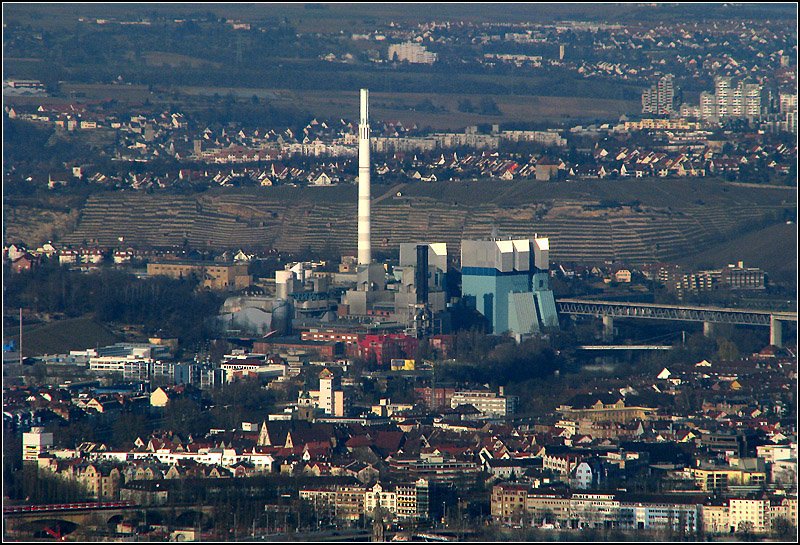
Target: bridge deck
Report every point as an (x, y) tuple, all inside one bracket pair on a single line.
[(621, 309), (624, 347)]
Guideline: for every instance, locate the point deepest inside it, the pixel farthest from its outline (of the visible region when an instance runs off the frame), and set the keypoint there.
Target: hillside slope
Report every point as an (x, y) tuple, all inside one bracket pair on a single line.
[(632, 221)]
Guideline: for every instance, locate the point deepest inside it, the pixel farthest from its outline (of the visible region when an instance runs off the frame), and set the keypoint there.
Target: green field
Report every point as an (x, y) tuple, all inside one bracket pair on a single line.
[(398, 107), (64, 335), (352, 17)]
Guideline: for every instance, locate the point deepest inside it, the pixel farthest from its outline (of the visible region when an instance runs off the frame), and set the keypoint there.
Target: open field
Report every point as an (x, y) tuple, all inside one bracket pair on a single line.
[(383, 106), (161, 58), (63, 335), (398, 106), (350, 17), (514, 108), (91, 91)]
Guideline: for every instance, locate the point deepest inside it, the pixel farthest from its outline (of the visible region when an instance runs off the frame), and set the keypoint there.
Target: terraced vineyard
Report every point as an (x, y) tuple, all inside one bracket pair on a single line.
[(581, 229)]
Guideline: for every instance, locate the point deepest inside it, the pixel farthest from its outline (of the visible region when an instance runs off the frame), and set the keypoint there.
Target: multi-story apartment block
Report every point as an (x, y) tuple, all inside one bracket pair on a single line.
[(788, 102), (413, 500), (728, 101), (509, 502), (34, 443), (562, 463), (786, 508), (739, 277), (723, 94), (755, 512), (101, 481), (751, 100), (593, 510), (775, 453), (659, 98), (658, 515), (217, 276), (549, 508), (715, 518), (411, 52), (403, 501), (788, 106), (720, 478), (708, 106), (490, 404)]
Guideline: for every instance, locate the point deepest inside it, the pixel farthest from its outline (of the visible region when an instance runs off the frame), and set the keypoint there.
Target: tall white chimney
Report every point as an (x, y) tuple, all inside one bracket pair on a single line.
[(364, 247)]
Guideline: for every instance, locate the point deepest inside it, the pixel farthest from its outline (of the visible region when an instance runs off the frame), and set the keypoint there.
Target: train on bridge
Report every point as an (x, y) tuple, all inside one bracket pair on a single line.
[(15, 509)]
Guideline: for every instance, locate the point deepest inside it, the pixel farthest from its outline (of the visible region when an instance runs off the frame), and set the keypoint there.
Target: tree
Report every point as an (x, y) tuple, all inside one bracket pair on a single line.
[(466, 106), (745, 530), (727, 350), (489, 107), (782, 528), (185, 416), (127, 427)]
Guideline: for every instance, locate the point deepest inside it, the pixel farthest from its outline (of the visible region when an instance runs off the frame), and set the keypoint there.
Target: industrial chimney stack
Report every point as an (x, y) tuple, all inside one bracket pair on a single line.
[(364, 247)]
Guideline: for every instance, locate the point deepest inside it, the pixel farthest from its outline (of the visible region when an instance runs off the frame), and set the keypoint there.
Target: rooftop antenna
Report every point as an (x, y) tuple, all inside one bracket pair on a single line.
[(20, 336), (495, 232)]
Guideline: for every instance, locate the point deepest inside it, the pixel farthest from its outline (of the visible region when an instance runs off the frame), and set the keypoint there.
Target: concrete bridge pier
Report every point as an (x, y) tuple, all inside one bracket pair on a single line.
[(608, 328), (775, 331), (708, 329)]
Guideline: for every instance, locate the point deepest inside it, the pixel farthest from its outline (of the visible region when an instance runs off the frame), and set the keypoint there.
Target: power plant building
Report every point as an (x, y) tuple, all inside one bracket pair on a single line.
[(421, 288), (508, 282)]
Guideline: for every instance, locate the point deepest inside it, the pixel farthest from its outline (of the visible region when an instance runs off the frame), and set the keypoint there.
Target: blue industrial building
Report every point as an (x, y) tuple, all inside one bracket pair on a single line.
[(507, 281)]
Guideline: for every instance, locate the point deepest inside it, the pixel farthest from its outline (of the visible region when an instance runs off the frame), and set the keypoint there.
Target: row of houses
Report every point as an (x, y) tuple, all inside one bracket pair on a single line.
[(90, 254)]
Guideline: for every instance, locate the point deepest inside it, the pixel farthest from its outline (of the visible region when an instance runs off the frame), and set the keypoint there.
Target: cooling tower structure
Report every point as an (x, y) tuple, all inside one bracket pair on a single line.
[(364, 246)]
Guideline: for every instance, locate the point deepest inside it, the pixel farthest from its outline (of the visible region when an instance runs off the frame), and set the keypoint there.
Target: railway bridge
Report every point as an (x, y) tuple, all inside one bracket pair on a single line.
[(60, 519), (609, 310)]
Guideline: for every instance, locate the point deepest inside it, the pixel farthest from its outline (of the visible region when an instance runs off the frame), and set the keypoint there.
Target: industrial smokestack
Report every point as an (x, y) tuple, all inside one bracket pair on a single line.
[(364, 247)]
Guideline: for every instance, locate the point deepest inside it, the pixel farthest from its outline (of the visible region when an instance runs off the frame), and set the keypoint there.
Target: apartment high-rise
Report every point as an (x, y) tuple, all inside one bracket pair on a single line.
[(659, 98), (723, 96), (788, 105), (742, 101)]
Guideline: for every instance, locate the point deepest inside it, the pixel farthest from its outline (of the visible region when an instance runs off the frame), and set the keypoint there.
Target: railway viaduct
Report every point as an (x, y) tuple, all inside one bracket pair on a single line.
[(57, 520), (609, 310)]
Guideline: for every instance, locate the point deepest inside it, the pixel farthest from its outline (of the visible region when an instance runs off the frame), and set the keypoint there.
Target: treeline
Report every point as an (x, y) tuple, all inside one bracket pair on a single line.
[(499, 361), (40, 486), (159, 303), (27, 144)]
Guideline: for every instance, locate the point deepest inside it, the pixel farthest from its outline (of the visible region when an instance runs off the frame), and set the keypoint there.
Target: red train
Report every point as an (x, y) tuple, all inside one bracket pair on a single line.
[(67, 506)]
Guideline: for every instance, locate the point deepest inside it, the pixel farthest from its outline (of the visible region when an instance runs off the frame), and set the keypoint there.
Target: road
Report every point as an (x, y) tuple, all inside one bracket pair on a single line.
[(325, 535)]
